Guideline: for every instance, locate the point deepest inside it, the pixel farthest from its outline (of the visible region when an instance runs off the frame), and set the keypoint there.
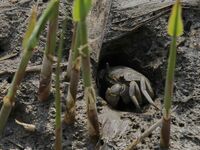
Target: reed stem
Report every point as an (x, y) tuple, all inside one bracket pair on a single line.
[(9, 99), (74, 78), (175, 28), (58, 142), (46, 71), (89, 93)]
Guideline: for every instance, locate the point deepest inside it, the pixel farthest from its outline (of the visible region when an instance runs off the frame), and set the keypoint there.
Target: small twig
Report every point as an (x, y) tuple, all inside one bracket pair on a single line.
[(30, 69), (8, 56), (145, 134), (26, 126)]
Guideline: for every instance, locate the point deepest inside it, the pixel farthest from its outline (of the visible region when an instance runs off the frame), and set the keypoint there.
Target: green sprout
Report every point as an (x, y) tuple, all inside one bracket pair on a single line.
[(29, 43), (70, 59), (48, 58), (74, 77), (175, 29), (81, 56), (58, 133), (81, 10), (8, 101)]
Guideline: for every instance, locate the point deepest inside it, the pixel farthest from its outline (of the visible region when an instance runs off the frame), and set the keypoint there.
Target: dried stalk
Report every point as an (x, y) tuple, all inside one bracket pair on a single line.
[(132, 146)]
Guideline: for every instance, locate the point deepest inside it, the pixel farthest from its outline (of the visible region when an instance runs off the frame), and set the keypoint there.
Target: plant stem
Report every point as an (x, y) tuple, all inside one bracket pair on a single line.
[(46, 15), (89, 92), (9, 101), (74, 78), (58, 142), (46, 71), (70, 59), (169, 85), (165, 133), (165, 130)]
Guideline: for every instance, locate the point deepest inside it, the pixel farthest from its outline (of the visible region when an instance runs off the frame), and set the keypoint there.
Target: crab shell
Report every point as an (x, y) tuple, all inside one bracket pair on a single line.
[(123, 74)]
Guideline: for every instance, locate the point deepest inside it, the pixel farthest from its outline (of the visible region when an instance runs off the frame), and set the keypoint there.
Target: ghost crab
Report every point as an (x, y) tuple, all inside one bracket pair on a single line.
[(128, 85)]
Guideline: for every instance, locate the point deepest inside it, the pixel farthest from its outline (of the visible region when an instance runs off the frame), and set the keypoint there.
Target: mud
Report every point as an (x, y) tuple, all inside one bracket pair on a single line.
[(145, 50)]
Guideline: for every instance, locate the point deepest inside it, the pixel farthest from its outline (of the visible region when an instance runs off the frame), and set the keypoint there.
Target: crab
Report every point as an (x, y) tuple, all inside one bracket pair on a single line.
[(127, 85)]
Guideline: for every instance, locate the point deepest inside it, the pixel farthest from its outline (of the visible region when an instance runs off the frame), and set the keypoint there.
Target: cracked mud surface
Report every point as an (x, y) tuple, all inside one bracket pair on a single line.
[(145, 50)]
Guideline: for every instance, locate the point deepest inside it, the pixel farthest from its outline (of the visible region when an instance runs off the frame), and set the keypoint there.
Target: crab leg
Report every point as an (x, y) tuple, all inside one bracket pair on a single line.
[(145, 86), (134, 93)]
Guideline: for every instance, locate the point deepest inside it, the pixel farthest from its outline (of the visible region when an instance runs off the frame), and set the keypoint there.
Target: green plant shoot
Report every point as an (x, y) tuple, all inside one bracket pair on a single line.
[(46, 70), (175, 25), (175, 28), (81, 10), (74, 77), (8, 100), (58, 142), (31, 25), (28, 44), (75, 59)]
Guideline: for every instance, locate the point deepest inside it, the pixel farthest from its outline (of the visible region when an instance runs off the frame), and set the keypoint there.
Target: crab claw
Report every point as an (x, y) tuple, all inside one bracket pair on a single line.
[(147, 91), (113, 94)]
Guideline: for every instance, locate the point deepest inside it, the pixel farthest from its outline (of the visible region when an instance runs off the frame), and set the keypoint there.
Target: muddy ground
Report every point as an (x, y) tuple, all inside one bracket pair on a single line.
[(145, 50)]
